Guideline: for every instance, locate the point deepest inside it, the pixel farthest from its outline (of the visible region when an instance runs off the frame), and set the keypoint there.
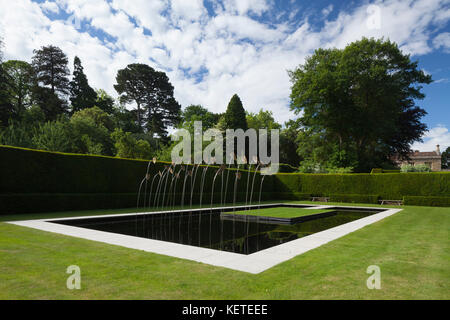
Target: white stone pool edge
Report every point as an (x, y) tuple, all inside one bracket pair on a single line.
[(253, 263)]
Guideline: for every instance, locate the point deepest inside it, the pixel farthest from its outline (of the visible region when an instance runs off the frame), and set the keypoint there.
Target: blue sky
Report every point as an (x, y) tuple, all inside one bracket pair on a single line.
[(213, 49)]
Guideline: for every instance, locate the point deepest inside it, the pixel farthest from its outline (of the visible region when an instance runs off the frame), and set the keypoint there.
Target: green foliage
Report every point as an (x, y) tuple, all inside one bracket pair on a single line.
[(309, 166), (81, 94), (20, 133), (128, 147), (355, 198), (416, 168), (96, 115), (53, 136), (21, 81), (194, 113), (104, 101), (49, 102), (90, 132), (164, 152), (38, 172), (51, 202), (387, 185), (339, 170), (50, 65), (288, 144), (379, 170), (234, 117), (153, 94), (262, 120), (445, 162), (6, 107), (32, 117), (358, 104), (16, 134), (427, 201)]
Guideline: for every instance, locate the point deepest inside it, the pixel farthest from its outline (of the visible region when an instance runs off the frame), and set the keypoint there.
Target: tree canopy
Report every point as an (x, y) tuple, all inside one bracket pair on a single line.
[(358, 104), (262, 120), (356, 107), (153, 94), (21, 80), (50, 65), (81, 93), (234, 117), (194, 113)]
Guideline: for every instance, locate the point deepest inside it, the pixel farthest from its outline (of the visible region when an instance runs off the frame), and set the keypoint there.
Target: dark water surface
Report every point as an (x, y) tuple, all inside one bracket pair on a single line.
[(207, 229)]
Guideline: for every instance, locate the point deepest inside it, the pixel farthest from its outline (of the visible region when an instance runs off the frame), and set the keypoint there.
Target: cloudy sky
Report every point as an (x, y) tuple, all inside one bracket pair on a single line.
[(213, 49)]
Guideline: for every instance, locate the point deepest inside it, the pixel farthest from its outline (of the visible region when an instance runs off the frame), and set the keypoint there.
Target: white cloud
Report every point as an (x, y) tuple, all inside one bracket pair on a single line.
[(442, 41), (439, 135), (243, 7), (191, 10), (50, 6), (327, 10), (442, 80), (234, 52)]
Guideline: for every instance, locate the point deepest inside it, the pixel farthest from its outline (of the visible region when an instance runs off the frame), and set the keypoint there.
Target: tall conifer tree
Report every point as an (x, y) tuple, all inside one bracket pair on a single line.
[(82, 95)]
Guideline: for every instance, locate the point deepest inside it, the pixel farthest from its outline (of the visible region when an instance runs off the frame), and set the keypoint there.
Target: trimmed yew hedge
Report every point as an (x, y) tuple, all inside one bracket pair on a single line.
[(37, 181), (427, 201), (390, 186)]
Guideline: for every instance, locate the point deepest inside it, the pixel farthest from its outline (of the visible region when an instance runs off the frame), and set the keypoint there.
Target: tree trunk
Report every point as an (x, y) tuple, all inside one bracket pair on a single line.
[(139, 114)]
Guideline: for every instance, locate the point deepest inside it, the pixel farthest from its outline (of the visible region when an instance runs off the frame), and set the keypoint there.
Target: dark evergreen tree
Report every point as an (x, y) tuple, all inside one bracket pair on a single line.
[(152, 92), (82, 96), (50, 65), (235, 117), (49, 102)]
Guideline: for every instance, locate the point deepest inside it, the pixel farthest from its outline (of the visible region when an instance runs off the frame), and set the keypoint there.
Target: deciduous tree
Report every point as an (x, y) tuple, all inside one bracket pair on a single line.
[(360, 101), (21, 82)]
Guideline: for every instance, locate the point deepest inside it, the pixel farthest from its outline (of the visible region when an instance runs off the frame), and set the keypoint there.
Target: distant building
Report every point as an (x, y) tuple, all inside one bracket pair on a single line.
[(431, 159)]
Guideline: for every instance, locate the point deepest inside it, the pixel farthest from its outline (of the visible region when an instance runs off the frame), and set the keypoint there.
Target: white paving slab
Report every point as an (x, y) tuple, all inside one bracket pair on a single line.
[(253, 263)]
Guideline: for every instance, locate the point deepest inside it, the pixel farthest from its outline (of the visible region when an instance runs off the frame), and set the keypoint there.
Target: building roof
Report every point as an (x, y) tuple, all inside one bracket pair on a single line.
[(415, 155), (418, 154)]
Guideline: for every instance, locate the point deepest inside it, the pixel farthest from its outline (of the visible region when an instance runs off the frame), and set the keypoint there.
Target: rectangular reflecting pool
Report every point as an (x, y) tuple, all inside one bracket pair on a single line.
[(216, 229)]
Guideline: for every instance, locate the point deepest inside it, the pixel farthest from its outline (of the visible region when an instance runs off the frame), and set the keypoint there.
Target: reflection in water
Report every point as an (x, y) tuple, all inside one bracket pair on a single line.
[(208, 230)]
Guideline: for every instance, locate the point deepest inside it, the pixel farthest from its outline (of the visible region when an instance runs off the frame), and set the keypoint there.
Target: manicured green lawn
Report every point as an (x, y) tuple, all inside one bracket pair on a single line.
[(281, 212), (411, 248)]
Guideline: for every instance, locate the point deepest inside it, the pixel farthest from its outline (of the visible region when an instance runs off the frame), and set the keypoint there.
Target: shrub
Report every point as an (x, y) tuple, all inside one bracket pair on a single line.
[(416, 168), (340, 170), (17, 135), (128, 147), (53, 136)]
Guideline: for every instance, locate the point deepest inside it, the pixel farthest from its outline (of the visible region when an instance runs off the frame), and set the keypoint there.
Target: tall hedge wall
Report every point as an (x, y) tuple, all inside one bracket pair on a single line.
[(36, 181), (386, 185), (39, 181)]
